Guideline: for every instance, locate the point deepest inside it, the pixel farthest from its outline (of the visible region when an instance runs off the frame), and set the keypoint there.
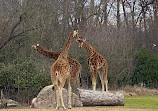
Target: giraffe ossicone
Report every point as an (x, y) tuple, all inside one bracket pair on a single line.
[(75, 32)]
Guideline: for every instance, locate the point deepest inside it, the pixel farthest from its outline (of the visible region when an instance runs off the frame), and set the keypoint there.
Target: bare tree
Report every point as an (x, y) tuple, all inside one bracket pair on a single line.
[(133, 14), (124, 13), (13, 34), (118, 14)]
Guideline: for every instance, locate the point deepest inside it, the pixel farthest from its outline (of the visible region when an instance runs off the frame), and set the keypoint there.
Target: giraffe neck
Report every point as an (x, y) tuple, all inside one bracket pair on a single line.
[(67, 46), (88, 47), (64, 53), (47, 53)]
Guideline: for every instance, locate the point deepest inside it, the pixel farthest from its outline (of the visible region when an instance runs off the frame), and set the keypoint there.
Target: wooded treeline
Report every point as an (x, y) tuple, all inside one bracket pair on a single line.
[(125, 32)]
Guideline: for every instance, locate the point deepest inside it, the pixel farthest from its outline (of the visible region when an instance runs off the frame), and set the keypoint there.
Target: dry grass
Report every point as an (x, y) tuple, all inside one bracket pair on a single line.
[(137, 91), (82, 109)]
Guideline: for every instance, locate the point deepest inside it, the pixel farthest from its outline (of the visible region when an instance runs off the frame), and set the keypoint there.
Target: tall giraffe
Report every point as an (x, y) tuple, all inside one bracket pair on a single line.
[(60, 72), (74, 64), (95, 62)]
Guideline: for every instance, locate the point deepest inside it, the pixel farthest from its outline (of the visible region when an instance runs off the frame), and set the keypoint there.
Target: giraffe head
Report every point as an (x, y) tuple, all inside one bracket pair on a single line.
[(80, 40), (35, 46), (74, 33)]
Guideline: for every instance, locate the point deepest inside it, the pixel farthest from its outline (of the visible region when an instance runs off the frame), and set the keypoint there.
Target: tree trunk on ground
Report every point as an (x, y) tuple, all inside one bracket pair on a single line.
[(98, 98)]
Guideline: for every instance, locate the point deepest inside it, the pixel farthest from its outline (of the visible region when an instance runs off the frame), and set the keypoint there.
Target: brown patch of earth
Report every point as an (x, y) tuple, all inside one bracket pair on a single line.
[(99, 108)]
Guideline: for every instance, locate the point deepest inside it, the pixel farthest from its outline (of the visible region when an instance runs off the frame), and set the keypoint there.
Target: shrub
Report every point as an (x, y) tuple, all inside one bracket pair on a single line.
[(23, 80), (146, 69)]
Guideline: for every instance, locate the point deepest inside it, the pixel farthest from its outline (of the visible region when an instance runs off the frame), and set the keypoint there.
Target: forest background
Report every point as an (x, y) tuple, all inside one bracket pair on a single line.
[(125, 32)]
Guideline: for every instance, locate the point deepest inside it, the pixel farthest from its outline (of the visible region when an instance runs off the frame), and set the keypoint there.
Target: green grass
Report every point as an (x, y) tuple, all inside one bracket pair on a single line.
[(142, 102)]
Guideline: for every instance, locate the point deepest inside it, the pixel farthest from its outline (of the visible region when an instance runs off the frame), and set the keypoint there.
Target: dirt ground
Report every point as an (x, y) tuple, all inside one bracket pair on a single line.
[(81, 109)]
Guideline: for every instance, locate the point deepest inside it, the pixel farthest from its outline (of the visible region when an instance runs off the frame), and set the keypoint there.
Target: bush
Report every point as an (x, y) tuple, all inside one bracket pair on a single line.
[(146, 69), (22, 81)]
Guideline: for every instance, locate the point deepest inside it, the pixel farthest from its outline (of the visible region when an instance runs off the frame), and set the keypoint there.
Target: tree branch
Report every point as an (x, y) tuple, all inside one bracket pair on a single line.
[(11, 37), (111, 6), (143, 8)]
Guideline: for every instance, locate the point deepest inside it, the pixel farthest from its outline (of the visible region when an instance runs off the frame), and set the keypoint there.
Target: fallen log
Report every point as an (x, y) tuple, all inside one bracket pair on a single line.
[(98, 98)]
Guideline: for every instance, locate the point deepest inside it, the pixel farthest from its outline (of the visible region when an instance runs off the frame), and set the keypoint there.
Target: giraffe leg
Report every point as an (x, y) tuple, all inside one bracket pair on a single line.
[(94, 78), (102, 80), (58, 101), (57, 96), (94, 85), (61, 94), (61, 97), (106, 82), (69, 93), (105, 70)]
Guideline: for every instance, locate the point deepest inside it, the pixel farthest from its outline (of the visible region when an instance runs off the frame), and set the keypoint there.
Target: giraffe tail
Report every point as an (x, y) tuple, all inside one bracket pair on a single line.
[(80, 79)]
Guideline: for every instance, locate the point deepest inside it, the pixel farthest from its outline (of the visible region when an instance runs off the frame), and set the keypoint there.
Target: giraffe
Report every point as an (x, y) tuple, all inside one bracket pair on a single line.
[(74, 64), (60, 72), (95, 62)]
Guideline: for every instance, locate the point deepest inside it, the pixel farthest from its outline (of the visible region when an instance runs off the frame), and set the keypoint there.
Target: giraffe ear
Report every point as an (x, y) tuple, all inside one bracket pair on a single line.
[(84, 40), (76, 40)]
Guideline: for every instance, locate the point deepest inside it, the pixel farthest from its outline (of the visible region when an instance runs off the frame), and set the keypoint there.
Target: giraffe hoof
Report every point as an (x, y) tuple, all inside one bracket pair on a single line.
[(69, 107), (64, 108), (57, 108)]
